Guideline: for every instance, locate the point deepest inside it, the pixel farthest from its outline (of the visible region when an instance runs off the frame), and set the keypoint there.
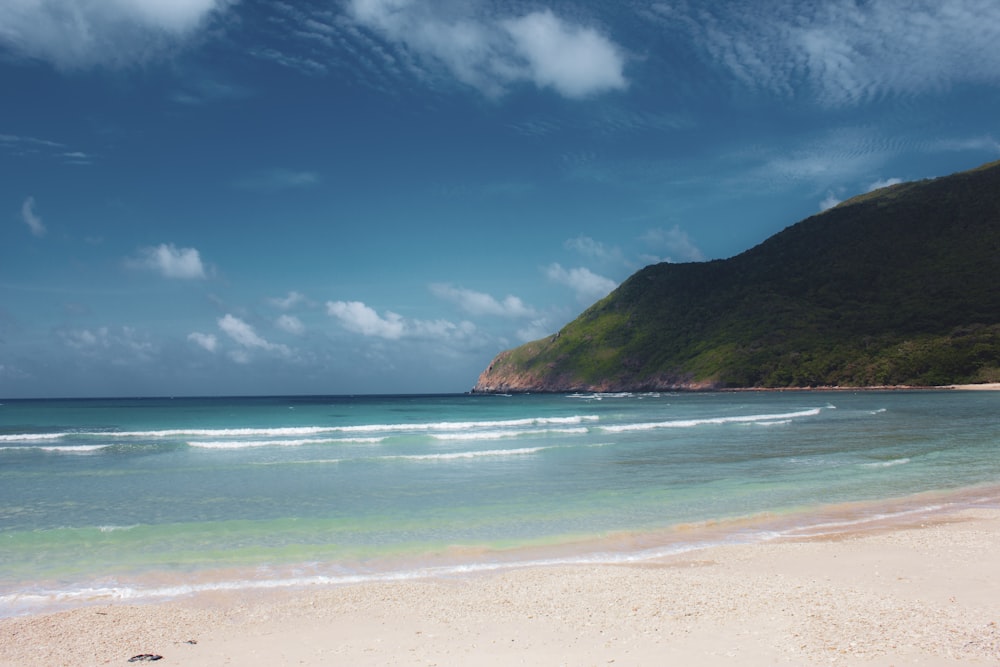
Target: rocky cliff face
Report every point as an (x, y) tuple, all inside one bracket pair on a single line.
[(503, 376)]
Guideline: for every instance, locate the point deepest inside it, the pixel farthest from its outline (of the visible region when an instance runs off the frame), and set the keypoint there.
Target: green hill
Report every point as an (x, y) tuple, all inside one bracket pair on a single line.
[(900, 286)]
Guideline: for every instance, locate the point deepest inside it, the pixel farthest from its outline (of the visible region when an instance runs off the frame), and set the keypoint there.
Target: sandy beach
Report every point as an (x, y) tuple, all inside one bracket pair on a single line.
[(923, 593), (988, 386)]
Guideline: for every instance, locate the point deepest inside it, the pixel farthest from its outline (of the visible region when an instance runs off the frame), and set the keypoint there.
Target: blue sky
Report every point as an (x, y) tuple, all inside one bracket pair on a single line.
[(205, 197)]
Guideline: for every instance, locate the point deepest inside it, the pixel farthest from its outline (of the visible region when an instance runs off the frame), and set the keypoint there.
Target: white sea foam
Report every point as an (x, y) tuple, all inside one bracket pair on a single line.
[(31, 437), (286, 431), (63, 449), (114, 529), (28, 602), (886, 464), (74, 449), (473, 425), (597, 396), (249, 444), (448, 456), (412, 480), (497, 435), (23, 602), (828, 527), (689, 423), (304, 431)]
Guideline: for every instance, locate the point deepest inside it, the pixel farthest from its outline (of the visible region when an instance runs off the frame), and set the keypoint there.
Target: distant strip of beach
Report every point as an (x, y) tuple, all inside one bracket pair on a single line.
[(924, 591), (986, 386)]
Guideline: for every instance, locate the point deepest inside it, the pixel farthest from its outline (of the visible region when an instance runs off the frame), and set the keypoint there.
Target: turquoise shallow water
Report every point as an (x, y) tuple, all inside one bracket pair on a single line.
[(149, 498)]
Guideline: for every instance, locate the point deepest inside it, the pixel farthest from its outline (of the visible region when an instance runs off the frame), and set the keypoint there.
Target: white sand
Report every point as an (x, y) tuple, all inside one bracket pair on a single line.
[(988, 386), (912, 595)]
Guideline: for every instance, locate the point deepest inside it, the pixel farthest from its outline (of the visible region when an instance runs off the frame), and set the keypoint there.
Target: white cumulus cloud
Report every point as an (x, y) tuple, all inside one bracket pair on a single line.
[(290, 324), (534, 330), (171, 261), (676, 242), (883, 183), (573, 60), (589, 286), (241, 332), (31, 218), (287, 302), (590, 248), (82, 33), (357, 317), (244, 335), (480, 303), (491, 53), (205, 341), (829, 201), (85, 338)]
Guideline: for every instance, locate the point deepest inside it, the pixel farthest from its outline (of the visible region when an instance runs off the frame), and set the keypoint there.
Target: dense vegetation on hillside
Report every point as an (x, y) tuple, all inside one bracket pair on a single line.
[(896, 287)]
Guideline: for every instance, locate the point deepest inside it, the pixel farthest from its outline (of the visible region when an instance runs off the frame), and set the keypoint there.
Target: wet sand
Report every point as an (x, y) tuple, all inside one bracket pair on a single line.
[(925, 592)]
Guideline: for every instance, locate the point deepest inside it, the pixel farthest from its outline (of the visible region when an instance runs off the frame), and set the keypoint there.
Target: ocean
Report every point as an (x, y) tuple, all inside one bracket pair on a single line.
[(149, 499)]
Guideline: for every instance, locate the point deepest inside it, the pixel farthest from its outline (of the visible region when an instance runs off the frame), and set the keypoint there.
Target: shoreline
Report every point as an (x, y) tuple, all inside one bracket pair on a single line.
[(986, 386), (921, 587), (615, 548), (709, 389)]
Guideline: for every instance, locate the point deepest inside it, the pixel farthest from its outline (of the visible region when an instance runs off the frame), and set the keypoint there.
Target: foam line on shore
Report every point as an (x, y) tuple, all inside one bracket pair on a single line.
[(813, 524)]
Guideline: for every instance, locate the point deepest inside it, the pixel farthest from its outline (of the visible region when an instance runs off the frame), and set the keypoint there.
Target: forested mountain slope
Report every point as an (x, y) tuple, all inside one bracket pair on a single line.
[(900, 286)]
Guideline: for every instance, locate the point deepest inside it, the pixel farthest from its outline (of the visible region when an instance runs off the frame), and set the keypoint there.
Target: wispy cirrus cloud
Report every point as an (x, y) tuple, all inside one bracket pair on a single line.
[(121, 345), (14, 142), (833, 156), (27, 146), (315, 40), (986, 143), (31, 218), (205, 90), (842, 52), (289, 301), (276, 180), (84, 33), (302, 63)]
